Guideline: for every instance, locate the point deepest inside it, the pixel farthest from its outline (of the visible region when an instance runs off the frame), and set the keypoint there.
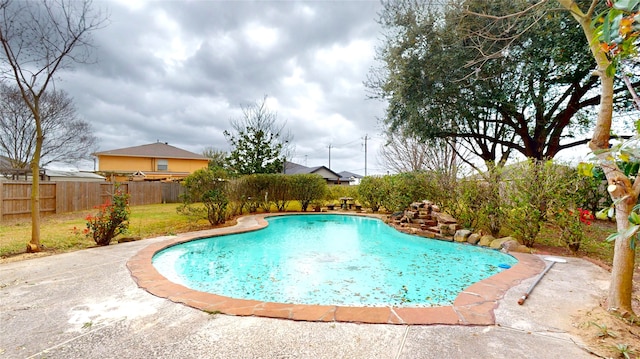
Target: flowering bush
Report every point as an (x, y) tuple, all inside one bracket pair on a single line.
[(572, 225), (111, 219)]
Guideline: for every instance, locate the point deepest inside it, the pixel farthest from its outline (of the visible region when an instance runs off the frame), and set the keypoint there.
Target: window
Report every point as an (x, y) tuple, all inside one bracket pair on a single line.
[(163, 165)]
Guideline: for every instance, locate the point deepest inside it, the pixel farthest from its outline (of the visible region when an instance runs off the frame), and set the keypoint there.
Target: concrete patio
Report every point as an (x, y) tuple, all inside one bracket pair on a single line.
[(86, 304)]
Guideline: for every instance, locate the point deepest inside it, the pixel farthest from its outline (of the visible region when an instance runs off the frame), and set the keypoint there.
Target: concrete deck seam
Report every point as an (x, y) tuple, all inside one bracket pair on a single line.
[(545, 334), (404, 340), (45, 351)]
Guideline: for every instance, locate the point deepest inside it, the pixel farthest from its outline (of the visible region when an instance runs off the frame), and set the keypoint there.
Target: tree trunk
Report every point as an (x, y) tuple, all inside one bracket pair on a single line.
[(620, 188), (34, 244), (621, 287)]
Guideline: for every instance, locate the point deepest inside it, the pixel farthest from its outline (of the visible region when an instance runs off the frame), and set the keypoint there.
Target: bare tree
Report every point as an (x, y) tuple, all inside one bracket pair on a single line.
[(216, 157), (38, 38), (258, 116), (404, 153), (66, 137)]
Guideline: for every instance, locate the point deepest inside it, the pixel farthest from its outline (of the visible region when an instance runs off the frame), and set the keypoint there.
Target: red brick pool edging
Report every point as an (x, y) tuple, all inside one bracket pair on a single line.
[(473, 306)]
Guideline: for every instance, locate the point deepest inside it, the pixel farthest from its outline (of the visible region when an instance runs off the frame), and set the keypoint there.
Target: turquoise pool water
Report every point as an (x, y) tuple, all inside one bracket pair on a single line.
[(330, 260)]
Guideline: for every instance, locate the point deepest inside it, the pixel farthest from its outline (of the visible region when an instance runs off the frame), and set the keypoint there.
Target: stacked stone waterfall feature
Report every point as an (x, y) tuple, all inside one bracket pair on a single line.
[(425, 219)]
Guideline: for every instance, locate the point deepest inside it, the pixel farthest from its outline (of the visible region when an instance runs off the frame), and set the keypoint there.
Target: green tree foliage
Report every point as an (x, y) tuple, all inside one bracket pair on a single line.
[(254, 151), (258, 191), (209, 188), (618, 31), (403, 189), (532, 93), (307, 188), (527, 206), (372, 191), (259, 143)]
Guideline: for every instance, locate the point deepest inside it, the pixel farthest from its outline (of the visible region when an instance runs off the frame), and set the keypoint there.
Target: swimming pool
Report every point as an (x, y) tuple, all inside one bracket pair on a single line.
[(329, 260)]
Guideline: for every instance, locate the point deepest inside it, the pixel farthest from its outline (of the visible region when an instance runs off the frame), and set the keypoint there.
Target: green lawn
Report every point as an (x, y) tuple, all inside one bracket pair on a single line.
[(61, 233)]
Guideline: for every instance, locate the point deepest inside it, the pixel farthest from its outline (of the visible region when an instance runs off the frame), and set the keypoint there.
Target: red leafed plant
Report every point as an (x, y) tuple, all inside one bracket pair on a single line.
[(111, 220)]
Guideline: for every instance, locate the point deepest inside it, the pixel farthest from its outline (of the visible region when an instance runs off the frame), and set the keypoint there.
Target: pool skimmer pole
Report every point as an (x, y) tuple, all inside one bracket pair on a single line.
[(550, 262)]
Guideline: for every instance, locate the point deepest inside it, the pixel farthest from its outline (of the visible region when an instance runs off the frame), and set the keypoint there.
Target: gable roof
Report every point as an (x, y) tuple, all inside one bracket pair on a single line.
[(347, 174), (153, 150), (294, 168)]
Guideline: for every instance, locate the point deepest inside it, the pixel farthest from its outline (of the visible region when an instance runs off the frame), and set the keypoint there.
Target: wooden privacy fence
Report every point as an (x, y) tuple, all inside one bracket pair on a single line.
[(64, 197)]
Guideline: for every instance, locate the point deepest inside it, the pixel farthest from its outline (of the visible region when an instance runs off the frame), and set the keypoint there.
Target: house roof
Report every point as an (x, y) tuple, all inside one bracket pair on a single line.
[(153, 150), (73, 174), (347, 174), (294, 168)]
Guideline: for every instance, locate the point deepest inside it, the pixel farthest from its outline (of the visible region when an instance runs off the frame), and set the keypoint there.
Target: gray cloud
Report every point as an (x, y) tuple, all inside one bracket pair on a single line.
[(178, 71)]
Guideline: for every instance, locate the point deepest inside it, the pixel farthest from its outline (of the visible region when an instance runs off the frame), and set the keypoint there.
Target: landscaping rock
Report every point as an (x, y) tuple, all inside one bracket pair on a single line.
[(411, 214), (510, 244), (497, 243), (461, 235), (474, 238), (445, 230), (445, 218), (486, 240)]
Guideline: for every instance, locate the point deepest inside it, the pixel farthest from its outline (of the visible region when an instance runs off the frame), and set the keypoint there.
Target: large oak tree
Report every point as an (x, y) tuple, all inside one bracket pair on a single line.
[(531, 91)]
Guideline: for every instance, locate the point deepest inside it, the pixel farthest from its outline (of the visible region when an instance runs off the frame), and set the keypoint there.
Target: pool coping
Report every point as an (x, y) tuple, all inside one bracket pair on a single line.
[(473, 306)]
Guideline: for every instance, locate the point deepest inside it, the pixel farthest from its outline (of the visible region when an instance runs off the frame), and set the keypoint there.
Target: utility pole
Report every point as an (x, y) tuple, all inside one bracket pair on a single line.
[(366, 137), (329, 156)]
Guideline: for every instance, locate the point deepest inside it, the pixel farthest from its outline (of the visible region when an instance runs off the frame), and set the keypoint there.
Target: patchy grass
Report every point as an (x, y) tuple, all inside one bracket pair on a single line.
[(62, 233), (595, 245)]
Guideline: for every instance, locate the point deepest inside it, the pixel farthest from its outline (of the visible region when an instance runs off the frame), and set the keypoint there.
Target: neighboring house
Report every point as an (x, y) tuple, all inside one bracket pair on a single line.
[(354, 179), (8, 173), (75, 176), (330, 176), (153, 162)]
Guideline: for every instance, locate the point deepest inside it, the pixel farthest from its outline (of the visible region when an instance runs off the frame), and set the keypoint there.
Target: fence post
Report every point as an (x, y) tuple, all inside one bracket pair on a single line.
[(1, 202)]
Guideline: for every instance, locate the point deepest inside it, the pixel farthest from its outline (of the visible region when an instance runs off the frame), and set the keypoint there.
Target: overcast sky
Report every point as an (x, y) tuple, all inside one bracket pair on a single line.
[(179, 71)]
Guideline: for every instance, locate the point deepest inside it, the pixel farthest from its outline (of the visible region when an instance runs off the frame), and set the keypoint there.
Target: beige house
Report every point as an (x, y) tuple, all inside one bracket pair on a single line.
[(152, 162)]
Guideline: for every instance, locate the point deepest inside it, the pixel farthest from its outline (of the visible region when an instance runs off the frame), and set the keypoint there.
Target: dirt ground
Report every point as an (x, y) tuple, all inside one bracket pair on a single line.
[(605, 334)]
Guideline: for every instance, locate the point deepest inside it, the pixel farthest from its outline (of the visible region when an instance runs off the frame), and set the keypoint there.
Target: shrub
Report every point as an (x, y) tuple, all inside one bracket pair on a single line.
[(307, 189), (591, 191), (280, 190), (111, 220), (534, 189), (571, 225), (335, 192), (206, 186), (371, 192)]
